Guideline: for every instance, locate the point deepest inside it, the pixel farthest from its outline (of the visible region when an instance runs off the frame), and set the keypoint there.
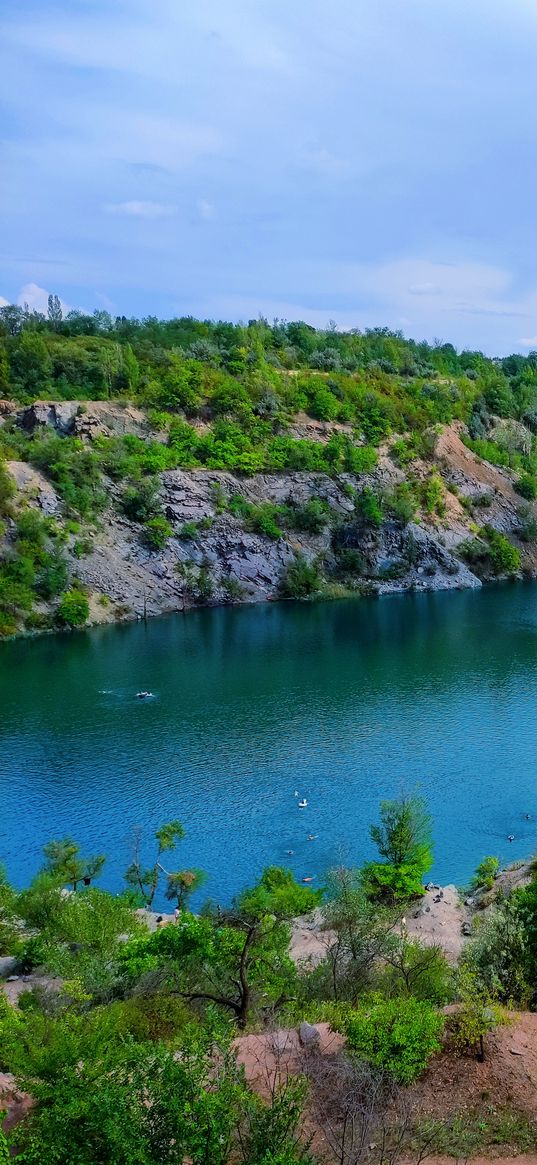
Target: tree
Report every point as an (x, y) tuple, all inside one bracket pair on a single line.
[(237, 958), (64, 861), (403, 839), (54, 311), (146, 879), (478, 1014), (183, 884), (31, 364), (362, 935)]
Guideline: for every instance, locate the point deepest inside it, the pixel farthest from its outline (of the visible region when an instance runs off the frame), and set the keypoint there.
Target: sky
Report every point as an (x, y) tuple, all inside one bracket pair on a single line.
[(372, 162)]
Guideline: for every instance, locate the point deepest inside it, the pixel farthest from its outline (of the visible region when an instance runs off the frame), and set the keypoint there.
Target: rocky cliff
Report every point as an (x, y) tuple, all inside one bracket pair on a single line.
[(215, 553)]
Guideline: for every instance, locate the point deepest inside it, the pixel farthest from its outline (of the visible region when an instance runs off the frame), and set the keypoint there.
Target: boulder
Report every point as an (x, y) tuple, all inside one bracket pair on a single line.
[(308, 1035), (7, 966)]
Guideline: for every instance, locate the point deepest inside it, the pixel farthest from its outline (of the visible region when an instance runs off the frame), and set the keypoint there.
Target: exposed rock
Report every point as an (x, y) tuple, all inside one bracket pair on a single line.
[(7, 965), (308, 1035)]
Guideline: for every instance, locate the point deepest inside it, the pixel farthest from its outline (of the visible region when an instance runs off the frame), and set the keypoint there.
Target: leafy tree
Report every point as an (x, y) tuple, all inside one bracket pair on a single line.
[(363, 936), (418, 971), (403, 839), (183, 884), (65, 862), (54, 311), (237, 959), (141, 502), (497, 954), (146, 879), (477, 1015)]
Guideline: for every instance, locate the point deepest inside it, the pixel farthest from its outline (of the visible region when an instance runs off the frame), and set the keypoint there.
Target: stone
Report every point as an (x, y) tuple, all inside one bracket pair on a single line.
[(466, 928), (12, 979), (7, 965), (308, 1035)]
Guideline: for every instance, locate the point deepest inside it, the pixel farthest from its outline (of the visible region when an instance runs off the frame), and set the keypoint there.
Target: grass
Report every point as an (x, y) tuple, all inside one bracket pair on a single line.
[(468, 1134)]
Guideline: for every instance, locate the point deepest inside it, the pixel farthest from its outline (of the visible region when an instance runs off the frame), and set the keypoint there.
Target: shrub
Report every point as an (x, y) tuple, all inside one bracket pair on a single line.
[(497, 955), (141, 502), (398, 1036), (73, 610), (301, 579), (369, 506), (157, 531), (504, 557), (311, 517), (485, 874), (526, 486)]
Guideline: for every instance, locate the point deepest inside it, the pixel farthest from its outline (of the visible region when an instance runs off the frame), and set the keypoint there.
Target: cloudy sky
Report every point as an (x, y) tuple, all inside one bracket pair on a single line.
[(368, 161)]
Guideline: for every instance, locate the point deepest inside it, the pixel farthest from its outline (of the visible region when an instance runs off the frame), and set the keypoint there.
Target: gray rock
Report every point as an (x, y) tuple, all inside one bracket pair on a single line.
[(466, 928), (7, 965), (308, 1035)]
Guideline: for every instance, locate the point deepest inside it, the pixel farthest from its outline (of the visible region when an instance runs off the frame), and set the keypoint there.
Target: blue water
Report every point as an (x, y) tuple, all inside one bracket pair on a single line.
[(344, 702)]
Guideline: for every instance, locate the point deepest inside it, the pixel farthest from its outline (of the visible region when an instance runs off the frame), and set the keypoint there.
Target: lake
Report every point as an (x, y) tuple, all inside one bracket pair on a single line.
[(342, 702)]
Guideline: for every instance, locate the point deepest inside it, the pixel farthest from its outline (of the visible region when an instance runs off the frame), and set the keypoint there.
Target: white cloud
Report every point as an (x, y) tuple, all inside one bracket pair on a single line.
[(136, 209), (528, 342), (205, 208), (3, 302), (37, 298)]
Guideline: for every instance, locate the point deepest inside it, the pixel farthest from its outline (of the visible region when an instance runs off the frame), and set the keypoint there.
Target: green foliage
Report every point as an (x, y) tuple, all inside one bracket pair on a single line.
[(526, 486), (431, 493), (504, 557), (301, 579), (397, 1035), (64, 861), (418, 971), (370, 508), (157, 532), (496, 957), (278, 893), (486, 873), (403, 839), (7, 489), (145, 879), (73, 610), (141, 502), (476, 1016), (9, 932)]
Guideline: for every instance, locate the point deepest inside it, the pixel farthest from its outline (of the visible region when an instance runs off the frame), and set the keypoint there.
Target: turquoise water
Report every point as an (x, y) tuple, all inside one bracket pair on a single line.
[(343, 702)]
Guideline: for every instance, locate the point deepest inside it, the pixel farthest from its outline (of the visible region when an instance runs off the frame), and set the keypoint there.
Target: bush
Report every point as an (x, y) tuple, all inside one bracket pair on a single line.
[(504, 557), (369, 506), (398, 1036), (301, 579), (526, 486), (497, 955), (141, 502), (73, 610), (485, 874), (157, 531)]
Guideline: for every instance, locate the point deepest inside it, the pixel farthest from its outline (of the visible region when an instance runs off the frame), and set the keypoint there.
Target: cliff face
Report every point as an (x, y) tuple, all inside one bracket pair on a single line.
[(218, 553)]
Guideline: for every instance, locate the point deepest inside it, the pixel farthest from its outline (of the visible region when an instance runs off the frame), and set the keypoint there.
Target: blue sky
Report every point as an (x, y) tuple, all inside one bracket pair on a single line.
[(368, 161)]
